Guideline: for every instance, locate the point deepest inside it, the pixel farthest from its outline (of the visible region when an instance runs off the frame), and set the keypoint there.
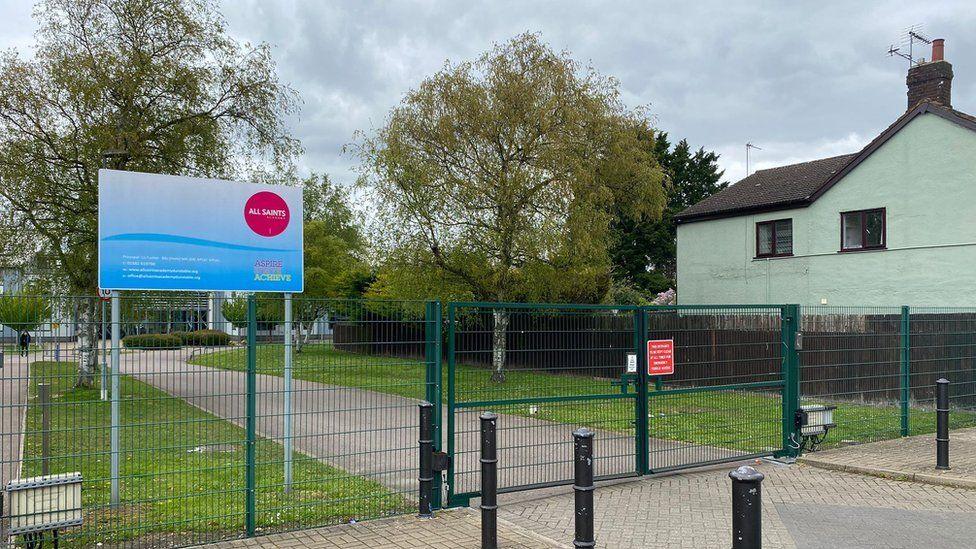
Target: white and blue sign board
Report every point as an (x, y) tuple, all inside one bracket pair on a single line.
[(163, 232)]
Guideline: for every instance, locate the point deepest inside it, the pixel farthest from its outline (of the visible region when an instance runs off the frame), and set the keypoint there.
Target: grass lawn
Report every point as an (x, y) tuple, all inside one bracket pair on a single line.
[(182, 470), (744, 420)]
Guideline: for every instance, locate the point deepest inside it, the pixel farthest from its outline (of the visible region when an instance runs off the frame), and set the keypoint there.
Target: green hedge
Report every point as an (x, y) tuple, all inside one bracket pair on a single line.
[(204, 338), (152, 341)]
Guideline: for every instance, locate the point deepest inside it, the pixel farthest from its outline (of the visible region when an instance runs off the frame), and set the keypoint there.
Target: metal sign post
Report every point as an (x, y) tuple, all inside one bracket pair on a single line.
[(116, 343), (288, 414), (104, 383)]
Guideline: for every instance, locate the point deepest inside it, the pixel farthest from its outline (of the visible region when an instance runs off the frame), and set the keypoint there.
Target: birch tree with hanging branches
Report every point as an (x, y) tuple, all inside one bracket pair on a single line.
[(499, 179)]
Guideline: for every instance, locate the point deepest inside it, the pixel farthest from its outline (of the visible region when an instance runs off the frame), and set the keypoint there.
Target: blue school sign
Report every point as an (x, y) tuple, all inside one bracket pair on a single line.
[(162, 232)]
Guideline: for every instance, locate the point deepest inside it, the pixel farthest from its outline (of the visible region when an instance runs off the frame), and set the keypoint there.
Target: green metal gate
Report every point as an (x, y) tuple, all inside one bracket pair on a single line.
[(733, 392), (550, 369)]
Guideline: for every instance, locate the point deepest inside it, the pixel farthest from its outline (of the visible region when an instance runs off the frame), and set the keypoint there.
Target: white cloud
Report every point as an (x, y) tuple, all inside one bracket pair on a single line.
[(782, 153), (801, 80)]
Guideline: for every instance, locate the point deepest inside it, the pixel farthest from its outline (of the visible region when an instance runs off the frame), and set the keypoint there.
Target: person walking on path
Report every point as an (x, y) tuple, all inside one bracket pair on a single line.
[(25, 340)]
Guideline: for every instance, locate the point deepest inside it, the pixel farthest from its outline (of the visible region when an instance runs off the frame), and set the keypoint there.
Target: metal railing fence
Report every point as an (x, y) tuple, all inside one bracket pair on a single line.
[(725, 399), (879, 366), (216, 417), (550, 369), (211, 425), (545, 370)]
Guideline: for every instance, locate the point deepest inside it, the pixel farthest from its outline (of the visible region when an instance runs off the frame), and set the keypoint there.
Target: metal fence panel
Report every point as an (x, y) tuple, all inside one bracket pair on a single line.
[(878, 365), (546, 370), (852, 358), (724, 400), (351, 418), (196, 451), (942, 344), (166, 471), (215, 426)]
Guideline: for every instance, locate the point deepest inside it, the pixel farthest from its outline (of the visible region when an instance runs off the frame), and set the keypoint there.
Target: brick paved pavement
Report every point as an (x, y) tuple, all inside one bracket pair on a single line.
[(803, 507), (454, 529), (910, 458), (692, 510)]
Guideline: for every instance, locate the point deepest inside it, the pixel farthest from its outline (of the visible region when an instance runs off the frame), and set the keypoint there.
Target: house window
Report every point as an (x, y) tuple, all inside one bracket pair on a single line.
[(862, 230), (774, 238)]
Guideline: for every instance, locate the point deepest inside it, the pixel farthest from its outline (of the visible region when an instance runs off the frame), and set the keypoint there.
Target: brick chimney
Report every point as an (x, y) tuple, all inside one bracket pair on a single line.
[(931, 80)]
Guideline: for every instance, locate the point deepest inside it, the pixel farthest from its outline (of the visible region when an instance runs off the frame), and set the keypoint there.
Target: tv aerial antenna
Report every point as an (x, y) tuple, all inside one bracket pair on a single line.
[(908, 39), (750, 146)]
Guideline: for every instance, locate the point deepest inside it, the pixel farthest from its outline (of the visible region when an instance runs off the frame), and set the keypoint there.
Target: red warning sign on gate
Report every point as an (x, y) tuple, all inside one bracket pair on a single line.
[(660, 357)]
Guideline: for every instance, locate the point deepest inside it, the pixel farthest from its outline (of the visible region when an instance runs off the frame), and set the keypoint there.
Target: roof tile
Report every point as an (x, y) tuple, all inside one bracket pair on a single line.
[(797, 185), (771, 187)]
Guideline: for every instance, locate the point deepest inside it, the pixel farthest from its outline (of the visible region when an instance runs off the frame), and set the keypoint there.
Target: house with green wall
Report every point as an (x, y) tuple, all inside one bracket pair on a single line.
[(892, 224)]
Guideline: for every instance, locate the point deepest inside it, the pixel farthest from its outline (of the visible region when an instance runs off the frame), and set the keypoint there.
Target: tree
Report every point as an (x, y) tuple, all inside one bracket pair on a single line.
[(333, 244), (269, 311), (501, 178), (160, 83), (644, 252), (21, 312)]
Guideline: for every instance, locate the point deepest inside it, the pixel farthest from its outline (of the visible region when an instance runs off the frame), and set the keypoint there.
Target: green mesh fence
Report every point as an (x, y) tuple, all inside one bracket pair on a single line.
[(550, 369), (207, 432), (878, 365), (207, 445)]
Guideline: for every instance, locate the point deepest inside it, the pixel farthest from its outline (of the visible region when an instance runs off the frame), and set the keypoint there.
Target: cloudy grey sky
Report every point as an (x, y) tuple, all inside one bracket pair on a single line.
[(802, 80)]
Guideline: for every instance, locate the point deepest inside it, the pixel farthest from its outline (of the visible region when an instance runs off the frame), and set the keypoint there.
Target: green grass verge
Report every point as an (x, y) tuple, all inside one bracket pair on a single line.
[(743, 420), (182, 470)]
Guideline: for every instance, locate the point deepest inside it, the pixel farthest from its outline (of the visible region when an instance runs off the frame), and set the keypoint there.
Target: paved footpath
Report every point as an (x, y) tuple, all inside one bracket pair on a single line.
[(13, 410), (454, 529), (803, 508), (374, 434), (909, 458), (13, 407), (369, 433)]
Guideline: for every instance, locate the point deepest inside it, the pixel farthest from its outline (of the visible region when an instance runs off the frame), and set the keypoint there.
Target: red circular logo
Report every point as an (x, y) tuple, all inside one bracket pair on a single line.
[(266, 214)]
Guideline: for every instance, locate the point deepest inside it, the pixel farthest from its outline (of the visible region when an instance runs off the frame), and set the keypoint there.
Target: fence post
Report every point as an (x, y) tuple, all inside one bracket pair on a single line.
[(434, 380), (450, 403), (583, 487), (251, 420), (906, 378), (942, 424), (746, 508), (426, 459), (641, 403), (489, 481), (789, 326)]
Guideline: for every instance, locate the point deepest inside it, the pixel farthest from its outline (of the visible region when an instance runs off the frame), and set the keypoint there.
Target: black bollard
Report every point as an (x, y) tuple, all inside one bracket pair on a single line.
[(942, 424), (746, 508), (489, 481), (426, 459), (583, 487)]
